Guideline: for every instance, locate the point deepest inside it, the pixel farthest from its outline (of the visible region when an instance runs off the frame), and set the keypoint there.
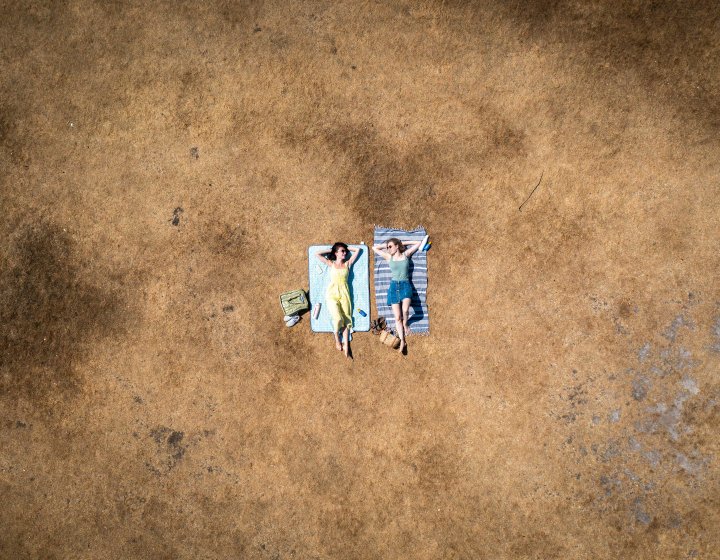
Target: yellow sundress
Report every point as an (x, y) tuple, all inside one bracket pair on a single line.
[(337, 298)]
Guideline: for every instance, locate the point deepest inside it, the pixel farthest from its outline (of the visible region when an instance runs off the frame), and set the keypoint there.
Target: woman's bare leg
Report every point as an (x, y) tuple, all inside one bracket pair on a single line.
[(399, 326), (406, 314), (346, 342), (333, 307)]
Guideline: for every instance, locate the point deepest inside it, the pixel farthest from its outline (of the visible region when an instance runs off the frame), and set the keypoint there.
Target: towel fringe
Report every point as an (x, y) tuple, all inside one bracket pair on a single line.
[(376, 226)]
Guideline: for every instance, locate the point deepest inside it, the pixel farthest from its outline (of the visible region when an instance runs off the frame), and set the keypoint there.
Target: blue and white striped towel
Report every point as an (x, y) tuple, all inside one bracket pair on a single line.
[(419, 321)]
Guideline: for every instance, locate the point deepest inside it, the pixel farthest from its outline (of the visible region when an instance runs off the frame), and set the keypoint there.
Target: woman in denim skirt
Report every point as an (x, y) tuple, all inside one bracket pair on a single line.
[(399, 294)]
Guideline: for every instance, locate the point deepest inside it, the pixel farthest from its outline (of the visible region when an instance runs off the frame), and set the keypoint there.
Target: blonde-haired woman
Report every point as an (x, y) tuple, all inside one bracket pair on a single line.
[(399, 294)]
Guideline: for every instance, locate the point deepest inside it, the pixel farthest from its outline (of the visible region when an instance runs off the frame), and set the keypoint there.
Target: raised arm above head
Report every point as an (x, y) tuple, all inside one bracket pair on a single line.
[(413, 246), (321, 256), (377, 249), (355, 254)]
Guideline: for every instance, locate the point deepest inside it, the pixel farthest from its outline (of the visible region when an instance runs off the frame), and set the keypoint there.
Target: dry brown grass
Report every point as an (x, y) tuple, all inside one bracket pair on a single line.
[(153, 405)]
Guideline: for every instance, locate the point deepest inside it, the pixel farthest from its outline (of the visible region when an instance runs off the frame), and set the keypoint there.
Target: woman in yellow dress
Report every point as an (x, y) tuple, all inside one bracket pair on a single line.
[(337, 295)]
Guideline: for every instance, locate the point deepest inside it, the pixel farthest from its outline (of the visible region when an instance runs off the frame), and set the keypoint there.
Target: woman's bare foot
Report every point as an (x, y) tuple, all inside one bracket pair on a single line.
[(401, 348), (406, 328), (338, 346), (346, 350)]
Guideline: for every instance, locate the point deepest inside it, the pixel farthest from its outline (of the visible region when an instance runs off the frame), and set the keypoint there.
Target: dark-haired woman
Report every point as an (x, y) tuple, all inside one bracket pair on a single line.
[(399, 294), (337, 295)]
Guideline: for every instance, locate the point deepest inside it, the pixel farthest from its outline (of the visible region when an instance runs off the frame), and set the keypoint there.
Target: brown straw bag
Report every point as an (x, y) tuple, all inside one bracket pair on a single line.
[(389, 339)]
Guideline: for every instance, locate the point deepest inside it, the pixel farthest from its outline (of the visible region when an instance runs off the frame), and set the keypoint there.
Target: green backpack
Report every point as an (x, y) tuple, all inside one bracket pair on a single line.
[(294, 302)]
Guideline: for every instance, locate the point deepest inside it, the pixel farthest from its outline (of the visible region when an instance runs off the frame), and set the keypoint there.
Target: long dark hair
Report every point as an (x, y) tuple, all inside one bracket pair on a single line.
[(396, 241), (332, 256)]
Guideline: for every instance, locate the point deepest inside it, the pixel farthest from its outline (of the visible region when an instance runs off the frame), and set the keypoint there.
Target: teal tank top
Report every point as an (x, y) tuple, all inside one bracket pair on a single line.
[(400, 269)]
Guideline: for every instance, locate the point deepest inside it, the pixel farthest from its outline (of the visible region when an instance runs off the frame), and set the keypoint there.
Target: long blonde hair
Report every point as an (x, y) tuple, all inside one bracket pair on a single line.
[(397, 242)]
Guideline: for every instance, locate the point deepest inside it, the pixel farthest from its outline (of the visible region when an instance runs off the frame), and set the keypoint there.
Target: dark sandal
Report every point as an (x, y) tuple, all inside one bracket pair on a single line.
[(378, 325)]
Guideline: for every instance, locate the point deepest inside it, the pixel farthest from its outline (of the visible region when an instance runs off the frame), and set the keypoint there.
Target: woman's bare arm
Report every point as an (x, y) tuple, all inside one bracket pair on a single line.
[(383, 254), (355, 254), (413, 246), (321, 256)]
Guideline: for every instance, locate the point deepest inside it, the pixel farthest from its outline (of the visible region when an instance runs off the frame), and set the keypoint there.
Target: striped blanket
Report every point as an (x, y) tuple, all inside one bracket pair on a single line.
[(419, 321)]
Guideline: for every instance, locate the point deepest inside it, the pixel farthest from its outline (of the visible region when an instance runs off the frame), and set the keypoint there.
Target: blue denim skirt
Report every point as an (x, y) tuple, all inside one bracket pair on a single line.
[(398, 291)]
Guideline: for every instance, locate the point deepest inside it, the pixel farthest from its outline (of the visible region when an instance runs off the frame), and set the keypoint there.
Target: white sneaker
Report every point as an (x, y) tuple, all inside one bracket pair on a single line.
[(292, 321), (288, 317)]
